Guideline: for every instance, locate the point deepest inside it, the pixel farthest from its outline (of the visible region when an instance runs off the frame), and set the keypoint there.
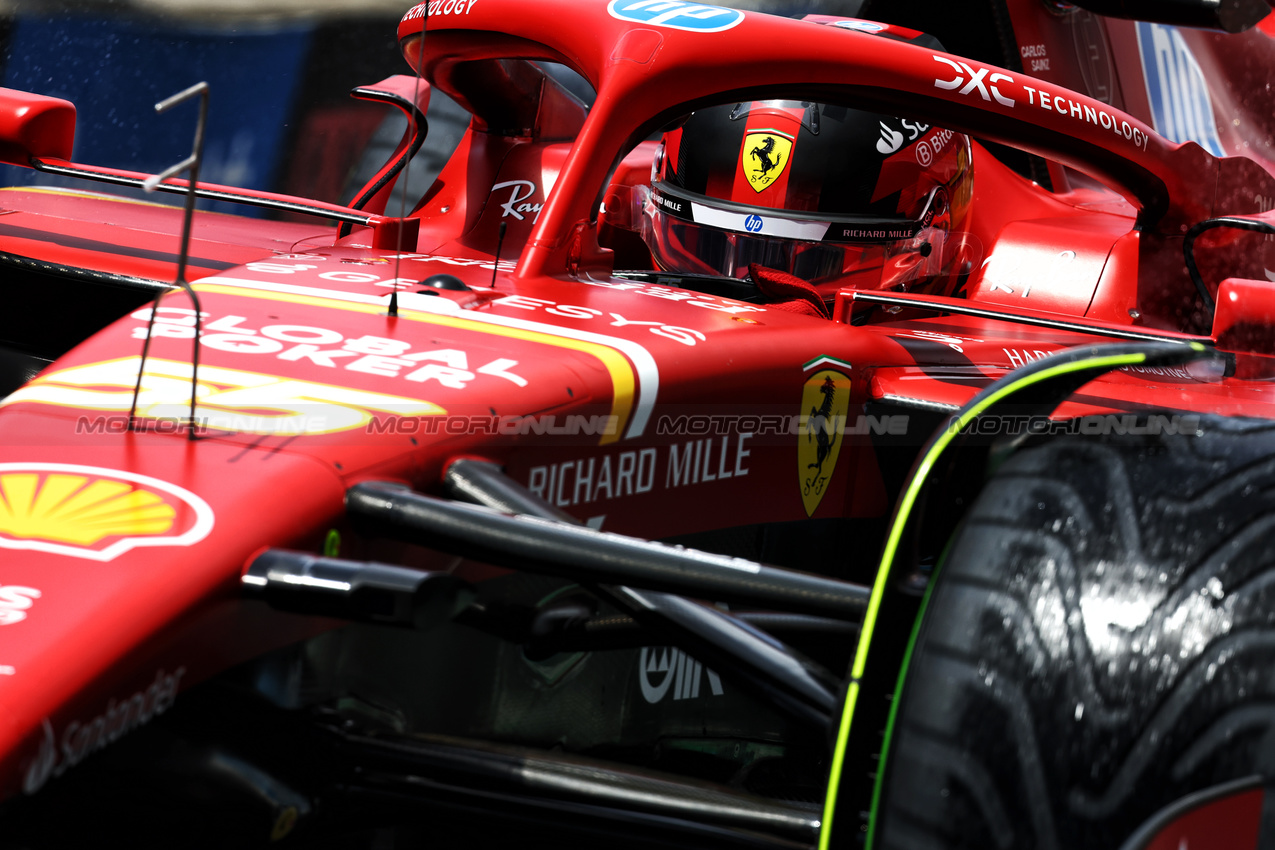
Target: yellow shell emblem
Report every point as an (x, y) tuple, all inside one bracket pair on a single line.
[(95, 513), (824, 401), (77, 509), (765, 156)]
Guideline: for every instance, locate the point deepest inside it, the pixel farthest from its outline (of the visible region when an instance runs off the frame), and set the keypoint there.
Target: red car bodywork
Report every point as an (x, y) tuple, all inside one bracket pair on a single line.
[(609, 397)]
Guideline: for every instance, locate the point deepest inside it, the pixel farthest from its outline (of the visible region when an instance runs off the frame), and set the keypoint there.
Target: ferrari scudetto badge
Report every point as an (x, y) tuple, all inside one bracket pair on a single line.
[(765, 157), (94, 513), (824, 401)]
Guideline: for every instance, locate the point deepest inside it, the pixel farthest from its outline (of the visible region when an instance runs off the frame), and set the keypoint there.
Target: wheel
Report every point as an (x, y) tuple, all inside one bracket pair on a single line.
[(1098, 643)]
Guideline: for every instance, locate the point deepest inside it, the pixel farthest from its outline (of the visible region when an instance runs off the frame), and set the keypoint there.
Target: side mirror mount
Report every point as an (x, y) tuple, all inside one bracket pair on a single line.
[(622, 206)]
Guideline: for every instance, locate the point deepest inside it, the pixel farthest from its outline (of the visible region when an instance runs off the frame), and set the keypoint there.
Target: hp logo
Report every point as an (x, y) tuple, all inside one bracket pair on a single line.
[(753, 223), (861, 26), (692, 17)]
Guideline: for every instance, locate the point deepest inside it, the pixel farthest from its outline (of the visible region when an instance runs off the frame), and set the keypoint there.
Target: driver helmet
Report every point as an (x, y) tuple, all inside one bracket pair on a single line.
[(832, 195)]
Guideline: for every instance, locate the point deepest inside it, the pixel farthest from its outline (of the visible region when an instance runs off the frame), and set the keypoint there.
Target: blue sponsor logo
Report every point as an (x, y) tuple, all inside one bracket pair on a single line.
[(1181, 107), (679, 15), (753, 223), (861, 26)]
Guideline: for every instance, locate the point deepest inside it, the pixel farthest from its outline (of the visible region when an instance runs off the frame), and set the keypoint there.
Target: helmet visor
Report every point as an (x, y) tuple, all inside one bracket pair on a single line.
[(690, 235)]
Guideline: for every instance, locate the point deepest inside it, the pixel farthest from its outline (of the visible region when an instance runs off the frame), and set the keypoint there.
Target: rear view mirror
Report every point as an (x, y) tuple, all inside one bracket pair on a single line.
[(34, 126)]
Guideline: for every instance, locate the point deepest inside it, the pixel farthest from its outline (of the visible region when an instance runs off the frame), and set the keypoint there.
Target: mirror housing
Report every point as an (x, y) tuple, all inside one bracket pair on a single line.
[(1226, 15), (32, 125)]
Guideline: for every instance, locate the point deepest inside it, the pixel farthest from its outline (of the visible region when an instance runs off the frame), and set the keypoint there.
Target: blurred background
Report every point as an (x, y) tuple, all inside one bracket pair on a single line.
[(280, 73)]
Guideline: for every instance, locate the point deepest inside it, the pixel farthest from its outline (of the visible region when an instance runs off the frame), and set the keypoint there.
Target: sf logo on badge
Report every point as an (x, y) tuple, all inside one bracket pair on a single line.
[(692, 17)]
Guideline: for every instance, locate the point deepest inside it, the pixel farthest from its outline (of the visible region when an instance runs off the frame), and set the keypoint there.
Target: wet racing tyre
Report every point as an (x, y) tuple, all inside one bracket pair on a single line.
[(1098, 644)]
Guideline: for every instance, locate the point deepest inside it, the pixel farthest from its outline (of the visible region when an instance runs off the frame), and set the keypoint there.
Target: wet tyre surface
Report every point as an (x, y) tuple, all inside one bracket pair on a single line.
[(1100, 642)]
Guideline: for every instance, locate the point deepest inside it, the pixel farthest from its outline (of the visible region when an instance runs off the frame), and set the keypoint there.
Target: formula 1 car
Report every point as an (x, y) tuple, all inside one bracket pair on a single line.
[(481, 520)]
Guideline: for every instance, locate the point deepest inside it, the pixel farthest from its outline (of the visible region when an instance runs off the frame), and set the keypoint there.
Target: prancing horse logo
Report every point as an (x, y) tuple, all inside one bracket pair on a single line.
[(765, 156), (820, 425), (825, 399), (762, 153)]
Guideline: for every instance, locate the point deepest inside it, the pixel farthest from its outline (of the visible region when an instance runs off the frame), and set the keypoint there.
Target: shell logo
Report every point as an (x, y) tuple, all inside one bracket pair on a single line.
[(95, 513)]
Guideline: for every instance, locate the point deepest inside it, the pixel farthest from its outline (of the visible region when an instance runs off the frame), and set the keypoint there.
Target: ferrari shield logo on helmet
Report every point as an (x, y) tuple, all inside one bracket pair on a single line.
[(824, 401), (766, 154)]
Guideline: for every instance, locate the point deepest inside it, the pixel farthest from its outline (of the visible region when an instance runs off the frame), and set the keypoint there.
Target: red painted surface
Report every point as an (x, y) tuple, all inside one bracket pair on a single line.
[(310, 386), (34, 125), (1231, 823)]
